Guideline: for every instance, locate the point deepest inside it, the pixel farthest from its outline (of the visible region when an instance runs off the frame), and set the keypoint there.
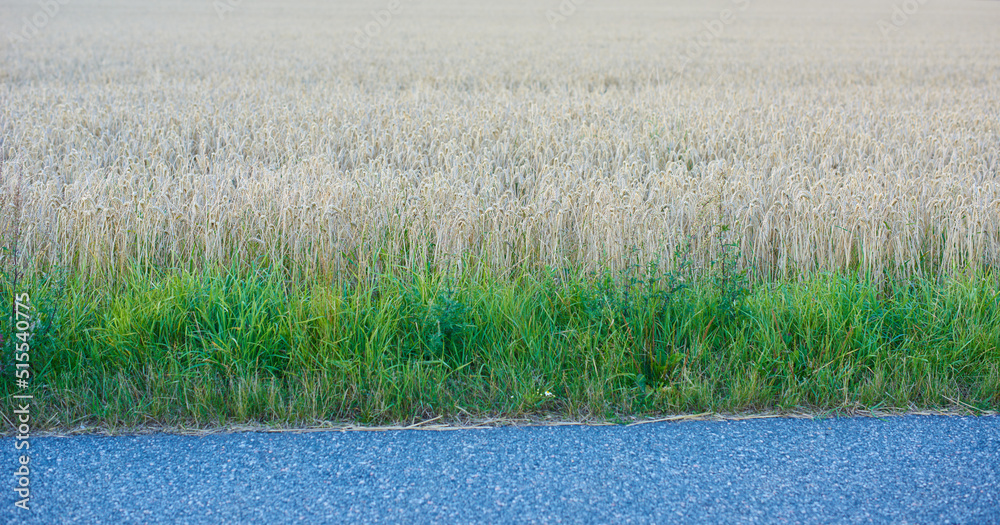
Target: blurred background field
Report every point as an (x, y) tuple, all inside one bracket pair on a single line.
[(640, 206), (170, 135)]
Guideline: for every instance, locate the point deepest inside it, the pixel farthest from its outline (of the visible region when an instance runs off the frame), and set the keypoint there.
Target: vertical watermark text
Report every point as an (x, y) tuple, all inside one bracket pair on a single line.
[(21, 399)]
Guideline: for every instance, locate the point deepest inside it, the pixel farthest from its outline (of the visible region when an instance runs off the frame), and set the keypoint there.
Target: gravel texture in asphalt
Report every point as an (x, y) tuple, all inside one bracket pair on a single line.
[(912, 469)]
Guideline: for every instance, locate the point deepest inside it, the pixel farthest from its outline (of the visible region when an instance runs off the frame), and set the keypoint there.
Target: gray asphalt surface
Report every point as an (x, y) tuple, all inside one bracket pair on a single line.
[(914, 469)]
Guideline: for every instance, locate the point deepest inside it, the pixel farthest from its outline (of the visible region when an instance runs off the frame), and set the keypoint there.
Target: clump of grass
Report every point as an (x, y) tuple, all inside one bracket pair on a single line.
[(356, 239), (224, 347)]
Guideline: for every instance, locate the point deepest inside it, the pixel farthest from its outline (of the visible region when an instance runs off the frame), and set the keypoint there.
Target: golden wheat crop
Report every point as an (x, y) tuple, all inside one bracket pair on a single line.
[(484, 133)]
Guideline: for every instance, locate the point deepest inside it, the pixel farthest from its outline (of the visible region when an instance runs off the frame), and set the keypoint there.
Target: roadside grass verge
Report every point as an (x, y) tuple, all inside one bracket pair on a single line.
[(217, 347)]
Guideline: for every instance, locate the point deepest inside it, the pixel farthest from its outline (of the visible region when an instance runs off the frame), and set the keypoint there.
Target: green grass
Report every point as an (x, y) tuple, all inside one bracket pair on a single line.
[(226, 348)]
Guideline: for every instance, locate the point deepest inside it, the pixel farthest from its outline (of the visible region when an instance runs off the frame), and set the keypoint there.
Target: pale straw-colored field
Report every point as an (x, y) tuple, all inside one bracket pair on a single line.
[(825, 135)]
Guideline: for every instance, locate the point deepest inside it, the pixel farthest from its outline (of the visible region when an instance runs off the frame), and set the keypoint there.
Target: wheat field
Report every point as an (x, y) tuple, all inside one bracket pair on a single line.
[(813, 136)]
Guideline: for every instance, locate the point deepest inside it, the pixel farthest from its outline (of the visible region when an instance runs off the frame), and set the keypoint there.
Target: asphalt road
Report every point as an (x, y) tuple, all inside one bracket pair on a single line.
[(914, 469)]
